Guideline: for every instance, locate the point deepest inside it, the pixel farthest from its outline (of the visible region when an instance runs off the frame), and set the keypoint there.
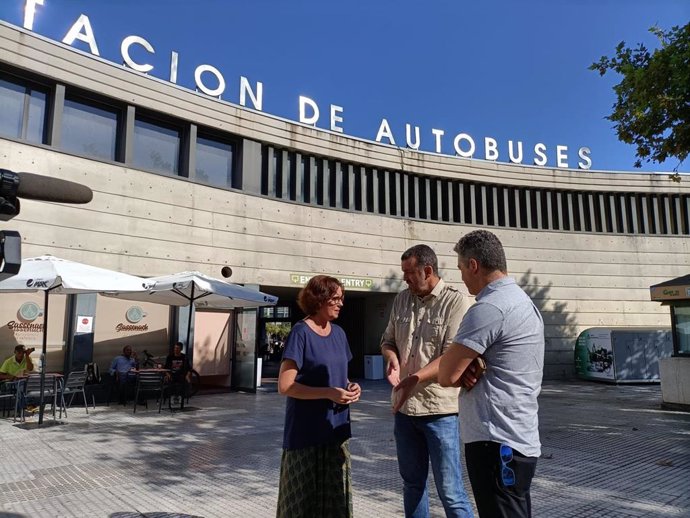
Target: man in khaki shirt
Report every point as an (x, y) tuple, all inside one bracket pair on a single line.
[(422, 324)]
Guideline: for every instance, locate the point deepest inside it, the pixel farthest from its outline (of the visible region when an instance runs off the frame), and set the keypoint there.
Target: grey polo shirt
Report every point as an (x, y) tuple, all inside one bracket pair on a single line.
[(507, 329)]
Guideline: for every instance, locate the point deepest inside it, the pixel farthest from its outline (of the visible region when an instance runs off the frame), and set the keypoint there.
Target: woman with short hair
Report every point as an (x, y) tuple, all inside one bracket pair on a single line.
[(315, 478)]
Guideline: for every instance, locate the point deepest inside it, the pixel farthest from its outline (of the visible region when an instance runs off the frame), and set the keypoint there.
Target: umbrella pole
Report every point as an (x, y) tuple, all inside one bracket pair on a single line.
[(43, 359), (190, 353)]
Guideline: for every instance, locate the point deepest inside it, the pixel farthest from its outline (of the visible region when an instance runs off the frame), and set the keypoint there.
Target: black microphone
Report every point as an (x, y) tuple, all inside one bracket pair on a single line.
[(45, 188)]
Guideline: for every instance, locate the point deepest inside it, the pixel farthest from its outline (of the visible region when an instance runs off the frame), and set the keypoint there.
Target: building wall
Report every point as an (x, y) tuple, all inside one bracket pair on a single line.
[(151, 224)]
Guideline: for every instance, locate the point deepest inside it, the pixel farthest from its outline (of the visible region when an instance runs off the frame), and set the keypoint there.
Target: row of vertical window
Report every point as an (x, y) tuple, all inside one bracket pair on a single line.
[(80, 123), (75, 122), (293, 176)]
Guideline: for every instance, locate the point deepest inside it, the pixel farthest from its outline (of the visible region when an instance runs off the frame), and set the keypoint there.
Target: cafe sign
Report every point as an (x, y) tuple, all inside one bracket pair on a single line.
[(662, 293), (357, 283), (133, 315), (27, 313)]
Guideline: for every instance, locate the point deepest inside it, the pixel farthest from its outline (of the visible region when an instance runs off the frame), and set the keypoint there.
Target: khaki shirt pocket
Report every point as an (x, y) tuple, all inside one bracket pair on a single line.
[(402, 327), (433, 335)]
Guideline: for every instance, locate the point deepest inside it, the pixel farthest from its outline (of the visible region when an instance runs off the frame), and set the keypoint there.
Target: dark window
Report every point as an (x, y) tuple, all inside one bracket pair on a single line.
[(22, 111), (684, 216), (522, 209), (381, 176), (369, 179), (566, 200), (423, 212), (501, 193), (90, 129), (320, 179), (432, 212), (214, 162), (661, 214), (490, 208), (533, 208), (412, 196), (303, 184), (347, 178), (543, 207), (555, 216), (619, 212), (290, 194), (578, 217), (333, 180), (457, 201), (478, 205), (587, 212), (446, 191), (467, 203), (156, 146), (358, 189)]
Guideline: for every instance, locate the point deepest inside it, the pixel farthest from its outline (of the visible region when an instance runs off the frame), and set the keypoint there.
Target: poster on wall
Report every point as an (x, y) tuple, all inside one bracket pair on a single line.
[(594, 355), (84, 324)]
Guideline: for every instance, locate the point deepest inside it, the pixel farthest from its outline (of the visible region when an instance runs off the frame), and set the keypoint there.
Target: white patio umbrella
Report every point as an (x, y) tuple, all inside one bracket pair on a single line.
[(187, 288), (54, 275)]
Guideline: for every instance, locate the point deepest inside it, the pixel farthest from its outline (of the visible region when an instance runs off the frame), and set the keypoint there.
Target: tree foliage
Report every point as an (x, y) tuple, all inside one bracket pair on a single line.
[(652, 110), (278, 330)]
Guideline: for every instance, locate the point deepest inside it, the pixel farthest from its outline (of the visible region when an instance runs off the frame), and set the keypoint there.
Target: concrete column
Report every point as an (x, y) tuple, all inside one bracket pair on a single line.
[(251, 166), (79, 349)]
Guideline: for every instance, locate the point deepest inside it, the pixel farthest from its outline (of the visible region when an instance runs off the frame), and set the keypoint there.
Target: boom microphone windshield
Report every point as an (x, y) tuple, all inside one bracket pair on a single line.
[(44, 188)]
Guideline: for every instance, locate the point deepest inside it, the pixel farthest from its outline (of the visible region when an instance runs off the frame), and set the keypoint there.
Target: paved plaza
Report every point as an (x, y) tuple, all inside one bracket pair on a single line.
[(608, 451)]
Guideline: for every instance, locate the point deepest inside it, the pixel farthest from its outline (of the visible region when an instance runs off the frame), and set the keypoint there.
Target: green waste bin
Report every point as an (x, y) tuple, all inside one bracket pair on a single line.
[(622, 354)]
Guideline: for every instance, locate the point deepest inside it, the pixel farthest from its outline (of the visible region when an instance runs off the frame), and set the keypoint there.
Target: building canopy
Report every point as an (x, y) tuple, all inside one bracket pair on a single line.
[(675, 289)]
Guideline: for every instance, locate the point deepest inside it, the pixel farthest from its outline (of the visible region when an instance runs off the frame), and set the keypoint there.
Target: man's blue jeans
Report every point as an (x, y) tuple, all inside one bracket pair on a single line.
[(435, 438)]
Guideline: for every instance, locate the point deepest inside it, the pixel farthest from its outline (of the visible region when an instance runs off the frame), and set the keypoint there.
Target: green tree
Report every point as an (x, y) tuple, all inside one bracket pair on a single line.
[(652, 110), (278, 330)]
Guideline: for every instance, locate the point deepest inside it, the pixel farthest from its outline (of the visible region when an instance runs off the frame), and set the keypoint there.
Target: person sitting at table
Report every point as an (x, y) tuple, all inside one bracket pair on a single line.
[(122, 367), (179, 375), (17, 364)]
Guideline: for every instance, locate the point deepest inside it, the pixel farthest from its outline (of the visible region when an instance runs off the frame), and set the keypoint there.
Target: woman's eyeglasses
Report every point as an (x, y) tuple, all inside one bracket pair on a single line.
[(336, 300), (507, 474)]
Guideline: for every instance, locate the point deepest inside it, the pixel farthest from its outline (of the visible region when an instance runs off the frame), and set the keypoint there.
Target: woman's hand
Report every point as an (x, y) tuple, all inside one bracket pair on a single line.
[(354, 387), (344, 396)]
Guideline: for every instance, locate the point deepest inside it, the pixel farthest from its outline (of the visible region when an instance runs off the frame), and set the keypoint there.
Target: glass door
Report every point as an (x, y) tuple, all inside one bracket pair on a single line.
[(244, 351)]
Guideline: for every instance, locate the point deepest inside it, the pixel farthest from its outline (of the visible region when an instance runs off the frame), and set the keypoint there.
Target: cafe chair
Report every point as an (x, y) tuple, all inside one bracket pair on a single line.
[(74, 385), (149, 381), (8, 394), (31, 392)]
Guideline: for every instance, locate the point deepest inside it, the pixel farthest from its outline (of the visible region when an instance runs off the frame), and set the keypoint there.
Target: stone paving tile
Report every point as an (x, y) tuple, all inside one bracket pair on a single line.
[(609, 451)]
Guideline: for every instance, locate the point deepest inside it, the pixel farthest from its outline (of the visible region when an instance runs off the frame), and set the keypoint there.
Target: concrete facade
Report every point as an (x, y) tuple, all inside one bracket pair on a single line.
[(150, 224)]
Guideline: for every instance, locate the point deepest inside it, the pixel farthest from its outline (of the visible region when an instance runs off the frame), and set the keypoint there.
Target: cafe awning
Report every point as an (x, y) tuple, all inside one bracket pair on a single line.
[(675, 289)]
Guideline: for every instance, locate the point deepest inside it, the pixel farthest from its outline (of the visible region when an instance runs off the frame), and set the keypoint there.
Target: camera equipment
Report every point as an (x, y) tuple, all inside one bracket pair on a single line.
[(10, 253), (33, 187)]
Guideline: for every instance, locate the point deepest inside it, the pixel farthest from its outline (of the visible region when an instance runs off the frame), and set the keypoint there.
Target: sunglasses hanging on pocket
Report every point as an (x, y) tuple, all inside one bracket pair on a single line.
[(507, 474)]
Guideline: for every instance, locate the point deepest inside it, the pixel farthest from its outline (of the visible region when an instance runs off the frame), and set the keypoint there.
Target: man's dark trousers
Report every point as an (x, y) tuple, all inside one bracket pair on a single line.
[(495, 499)]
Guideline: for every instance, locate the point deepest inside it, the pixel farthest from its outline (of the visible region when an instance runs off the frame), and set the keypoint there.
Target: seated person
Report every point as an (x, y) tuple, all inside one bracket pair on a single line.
[(17, 364), (121, 368), (179, 375)]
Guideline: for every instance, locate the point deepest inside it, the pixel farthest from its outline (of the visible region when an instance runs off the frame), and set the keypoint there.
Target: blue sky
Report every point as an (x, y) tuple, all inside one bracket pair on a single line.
[(501, 69)]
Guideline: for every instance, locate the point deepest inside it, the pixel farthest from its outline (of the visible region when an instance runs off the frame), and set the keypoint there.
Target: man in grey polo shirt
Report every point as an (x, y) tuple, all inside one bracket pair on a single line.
[(498, 416), (423, 322)]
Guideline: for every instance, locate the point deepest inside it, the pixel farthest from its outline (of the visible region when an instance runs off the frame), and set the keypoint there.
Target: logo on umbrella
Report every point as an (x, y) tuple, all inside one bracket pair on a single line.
[(31, 283)]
